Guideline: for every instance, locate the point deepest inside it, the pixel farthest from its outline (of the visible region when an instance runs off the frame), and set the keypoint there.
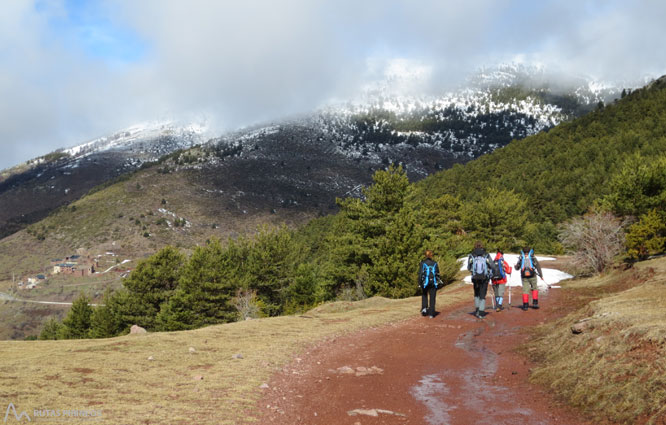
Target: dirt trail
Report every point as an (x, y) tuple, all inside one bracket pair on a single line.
[(453, 369)]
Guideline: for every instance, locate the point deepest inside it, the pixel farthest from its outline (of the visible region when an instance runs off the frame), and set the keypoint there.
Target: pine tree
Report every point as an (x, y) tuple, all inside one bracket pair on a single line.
[(205, 290), (76, 324), (51, 329), (270, 266), (150, 285), (647, 236), (639, 187), (106, 320), (379, 235), (499, 218), (394, 263), (301, 294)]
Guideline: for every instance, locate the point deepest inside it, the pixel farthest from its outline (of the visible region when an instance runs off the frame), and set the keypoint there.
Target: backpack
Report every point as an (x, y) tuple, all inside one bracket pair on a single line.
[(479, 267), (527, 266), (429, 274), (499, 273)]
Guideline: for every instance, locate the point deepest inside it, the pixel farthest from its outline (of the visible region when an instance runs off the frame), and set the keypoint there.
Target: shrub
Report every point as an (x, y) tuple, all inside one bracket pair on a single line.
[(247, 304), (647, 236), (593, 240)]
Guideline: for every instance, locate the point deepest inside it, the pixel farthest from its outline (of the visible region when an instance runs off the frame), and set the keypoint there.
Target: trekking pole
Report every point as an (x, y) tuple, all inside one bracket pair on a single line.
[(543, 280), (510, 288), (492, 296)]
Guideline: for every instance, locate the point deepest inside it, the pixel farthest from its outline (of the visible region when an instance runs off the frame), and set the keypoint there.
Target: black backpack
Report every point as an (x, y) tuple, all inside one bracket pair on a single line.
[(498, 271)]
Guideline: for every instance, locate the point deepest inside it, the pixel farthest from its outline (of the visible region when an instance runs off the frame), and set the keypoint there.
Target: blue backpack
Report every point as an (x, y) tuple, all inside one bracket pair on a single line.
[(527, 266), (429, 274)]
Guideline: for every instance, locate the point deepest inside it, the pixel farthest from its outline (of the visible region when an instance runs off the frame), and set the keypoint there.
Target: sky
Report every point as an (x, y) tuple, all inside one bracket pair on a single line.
[(74, 70)]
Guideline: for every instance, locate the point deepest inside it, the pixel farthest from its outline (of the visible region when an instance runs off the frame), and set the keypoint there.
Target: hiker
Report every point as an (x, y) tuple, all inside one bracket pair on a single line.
[(429, 283), (481, 266), (529, 269), (502, 268)]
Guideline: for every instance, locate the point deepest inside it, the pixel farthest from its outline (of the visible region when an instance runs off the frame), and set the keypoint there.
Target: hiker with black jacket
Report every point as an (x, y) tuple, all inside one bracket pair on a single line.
[(482, 267), (428, 282), (529, 269)]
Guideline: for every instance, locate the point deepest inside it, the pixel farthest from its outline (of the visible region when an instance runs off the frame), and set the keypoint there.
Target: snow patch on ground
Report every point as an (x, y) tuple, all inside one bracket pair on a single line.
[(550, 276)]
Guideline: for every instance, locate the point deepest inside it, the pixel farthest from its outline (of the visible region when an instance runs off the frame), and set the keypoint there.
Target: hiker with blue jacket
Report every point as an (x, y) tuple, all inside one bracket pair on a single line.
[(482, 267), (429, 283), (529, 269)]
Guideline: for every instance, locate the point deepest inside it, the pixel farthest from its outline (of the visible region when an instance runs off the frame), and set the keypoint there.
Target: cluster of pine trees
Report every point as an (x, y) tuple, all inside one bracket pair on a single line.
[(612, 160)]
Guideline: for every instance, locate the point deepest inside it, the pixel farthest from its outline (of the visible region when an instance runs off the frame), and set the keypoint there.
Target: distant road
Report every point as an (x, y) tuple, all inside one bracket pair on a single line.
[(7, 297)]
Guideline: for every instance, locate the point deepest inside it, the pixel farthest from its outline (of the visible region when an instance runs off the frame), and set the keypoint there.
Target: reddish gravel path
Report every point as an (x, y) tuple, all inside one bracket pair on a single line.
[(453, 369)]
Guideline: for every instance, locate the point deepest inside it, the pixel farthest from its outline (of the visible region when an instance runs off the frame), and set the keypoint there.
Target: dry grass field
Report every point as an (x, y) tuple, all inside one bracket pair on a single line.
[(157, 378)]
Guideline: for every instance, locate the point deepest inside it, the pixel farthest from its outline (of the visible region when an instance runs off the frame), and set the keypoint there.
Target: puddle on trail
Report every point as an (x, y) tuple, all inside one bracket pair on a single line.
[(431, 391), (468, 391)]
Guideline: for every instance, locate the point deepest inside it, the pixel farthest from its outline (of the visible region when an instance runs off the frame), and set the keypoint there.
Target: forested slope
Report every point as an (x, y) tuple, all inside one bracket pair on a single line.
[(561, 172)]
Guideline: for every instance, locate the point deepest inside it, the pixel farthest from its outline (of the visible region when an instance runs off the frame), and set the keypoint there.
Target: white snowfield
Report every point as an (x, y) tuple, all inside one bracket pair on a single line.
[(550, 276)]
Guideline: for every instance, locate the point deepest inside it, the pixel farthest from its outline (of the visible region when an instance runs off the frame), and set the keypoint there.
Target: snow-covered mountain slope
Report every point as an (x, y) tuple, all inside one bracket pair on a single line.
[(150, 141), (387, 123), (32, 190)]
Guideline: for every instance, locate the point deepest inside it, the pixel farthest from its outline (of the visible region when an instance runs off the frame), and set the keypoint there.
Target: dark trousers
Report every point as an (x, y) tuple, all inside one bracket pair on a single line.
[(480, 288), (430, 291)]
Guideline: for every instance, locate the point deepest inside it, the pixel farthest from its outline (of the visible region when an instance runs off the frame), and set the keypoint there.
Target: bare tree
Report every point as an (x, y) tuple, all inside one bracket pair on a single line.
[(246, 304), (593, 240)]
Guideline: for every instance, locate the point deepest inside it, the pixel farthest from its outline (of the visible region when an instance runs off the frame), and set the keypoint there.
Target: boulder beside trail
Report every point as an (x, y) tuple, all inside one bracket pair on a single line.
[(136, 329), (581, 326)]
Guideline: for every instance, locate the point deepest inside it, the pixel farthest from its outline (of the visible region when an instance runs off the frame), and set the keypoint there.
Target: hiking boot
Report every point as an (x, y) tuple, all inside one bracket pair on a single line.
[(431, 316), (525, 306), (424, 312), (535, 304), (500, 308)]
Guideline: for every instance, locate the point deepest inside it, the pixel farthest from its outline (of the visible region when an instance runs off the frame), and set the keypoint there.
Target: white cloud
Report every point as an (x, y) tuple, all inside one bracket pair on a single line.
[(241, 62)]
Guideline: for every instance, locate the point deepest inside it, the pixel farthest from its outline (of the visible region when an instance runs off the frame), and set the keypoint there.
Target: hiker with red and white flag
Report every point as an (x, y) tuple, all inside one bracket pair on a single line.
[(499, 279), (529, 270)]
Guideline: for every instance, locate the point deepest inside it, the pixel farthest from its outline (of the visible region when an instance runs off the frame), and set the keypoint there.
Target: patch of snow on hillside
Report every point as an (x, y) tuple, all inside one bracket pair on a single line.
[(550, 276), (188, 135)]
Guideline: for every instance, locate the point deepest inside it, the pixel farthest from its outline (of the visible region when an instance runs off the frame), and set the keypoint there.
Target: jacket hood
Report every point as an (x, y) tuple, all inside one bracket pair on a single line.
[(498, 256)]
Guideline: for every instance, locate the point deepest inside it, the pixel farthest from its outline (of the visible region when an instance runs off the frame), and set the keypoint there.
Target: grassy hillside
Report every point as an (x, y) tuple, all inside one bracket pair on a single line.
[(135, 218), (616, 368), (156, 378)]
